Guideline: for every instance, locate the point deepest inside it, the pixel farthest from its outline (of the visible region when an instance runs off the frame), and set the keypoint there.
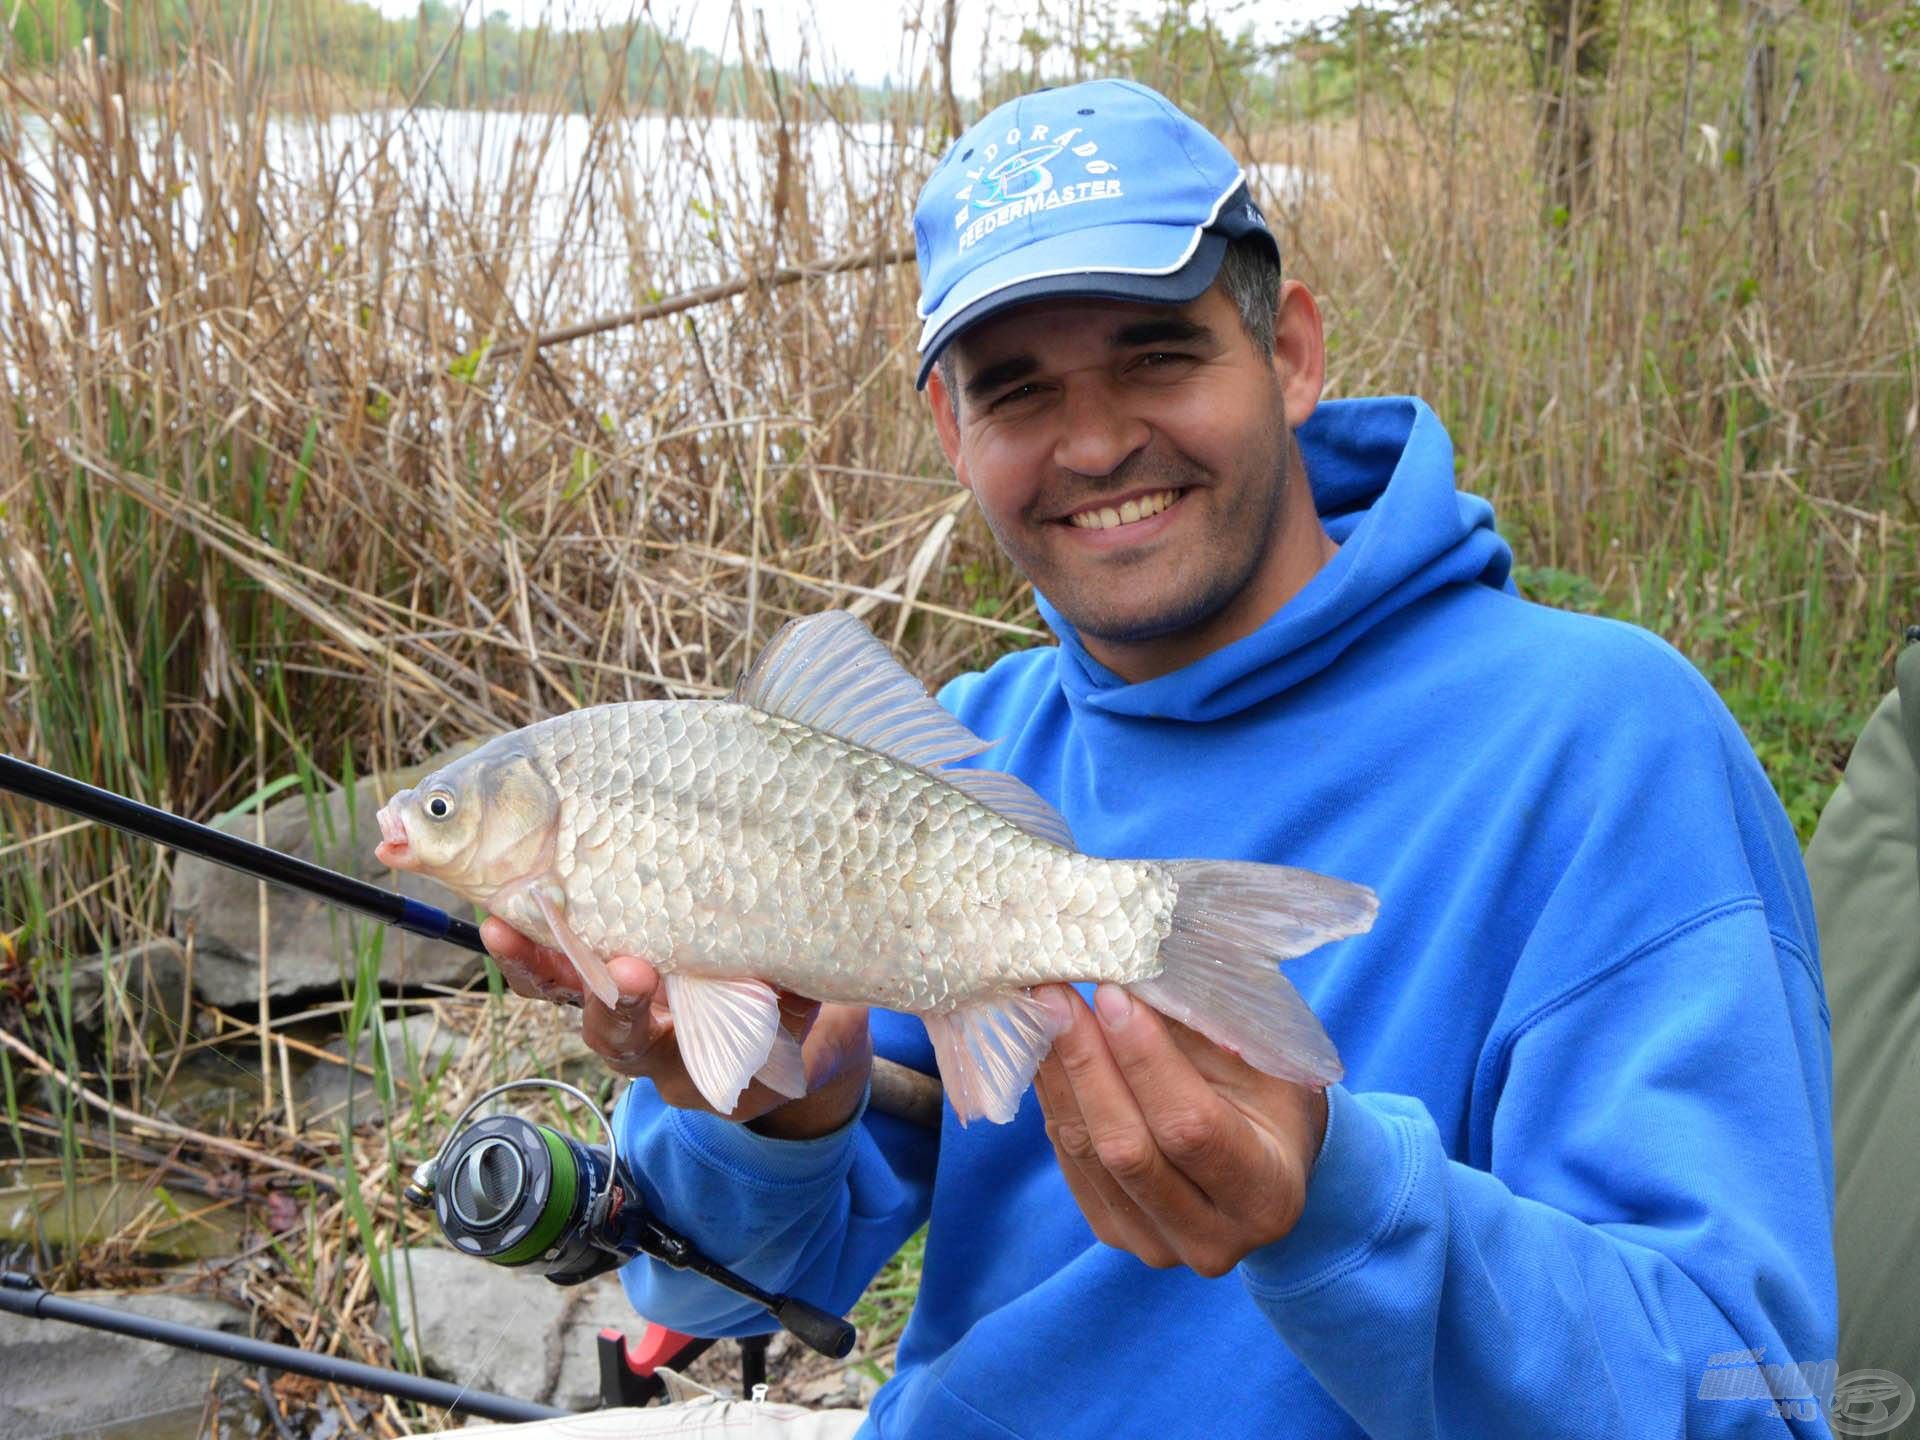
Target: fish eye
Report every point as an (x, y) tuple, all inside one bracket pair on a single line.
[(439, 806)]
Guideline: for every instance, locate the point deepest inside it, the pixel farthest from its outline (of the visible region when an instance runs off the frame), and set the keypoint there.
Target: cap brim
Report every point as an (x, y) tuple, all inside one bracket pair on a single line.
[(1167, 265)]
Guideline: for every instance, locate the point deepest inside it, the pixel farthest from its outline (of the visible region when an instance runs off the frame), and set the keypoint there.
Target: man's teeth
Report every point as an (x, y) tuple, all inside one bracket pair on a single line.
[(1108, 517)]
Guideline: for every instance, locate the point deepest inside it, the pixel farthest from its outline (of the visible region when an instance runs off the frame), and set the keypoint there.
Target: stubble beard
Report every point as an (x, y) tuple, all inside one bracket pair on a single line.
[(1217, 567)]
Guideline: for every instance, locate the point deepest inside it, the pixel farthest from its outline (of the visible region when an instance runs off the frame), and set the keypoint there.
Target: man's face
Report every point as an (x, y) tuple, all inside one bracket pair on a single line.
[(1132, 460)]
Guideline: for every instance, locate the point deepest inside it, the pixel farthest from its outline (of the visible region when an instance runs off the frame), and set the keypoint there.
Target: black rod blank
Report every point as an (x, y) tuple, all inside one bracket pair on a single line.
[(22, 1295), (150, 823)]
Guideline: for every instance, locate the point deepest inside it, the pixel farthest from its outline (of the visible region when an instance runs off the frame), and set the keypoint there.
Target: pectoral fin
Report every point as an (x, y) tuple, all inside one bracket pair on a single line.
[(785, 1070), (726, 1031), (592, 969)]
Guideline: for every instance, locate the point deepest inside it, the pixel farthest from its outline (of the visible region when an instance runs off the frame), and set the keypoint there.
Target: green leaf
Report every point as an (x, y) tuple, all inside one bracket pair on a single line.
[(580, 472), (379, 1260), (259, 797), (466, 369)]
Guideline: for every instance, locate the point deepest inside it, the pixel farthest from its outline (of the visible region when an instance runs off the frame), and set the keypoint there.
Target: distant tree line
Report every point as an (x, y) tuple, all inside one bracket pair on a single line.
[(431, 53), (1224, 71)]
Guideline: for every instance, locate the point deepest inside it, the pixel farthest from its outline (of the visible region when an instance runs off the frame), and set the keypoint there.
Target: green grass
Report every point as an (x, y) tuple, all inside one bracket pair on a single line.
[(882, 1312)]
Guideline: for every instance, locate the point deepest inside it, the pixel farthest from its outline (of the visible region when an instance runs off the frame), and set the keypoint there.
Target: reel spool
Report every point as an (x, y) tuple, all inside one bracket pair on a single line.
[(525, 1196)]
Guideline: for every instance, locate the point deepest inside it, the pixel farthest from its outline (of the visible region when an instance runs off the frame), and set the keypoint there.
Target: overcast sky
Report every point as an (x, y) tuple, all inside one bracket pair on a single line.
[(868, 37)]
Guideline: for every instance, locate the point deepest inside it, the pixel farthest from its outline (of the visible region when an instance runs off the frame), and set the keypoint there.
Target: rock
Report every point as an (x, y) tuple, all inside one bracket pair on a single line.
[(509, 1331), (825, 1385), (417, 1046), (152, 976), (64, 1379), (310, 944)]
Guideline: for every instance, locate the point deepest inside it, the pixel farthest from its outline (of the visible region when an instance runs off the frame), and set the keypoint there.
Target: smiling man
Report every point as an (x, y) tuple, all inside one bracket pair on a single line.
[(1186, 543), (1581, 1151)]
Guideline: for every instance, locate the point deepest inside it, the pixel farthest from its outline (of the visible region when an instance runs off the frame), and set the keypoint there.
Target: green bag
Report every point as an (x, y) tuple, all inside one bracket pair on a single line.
[(1864, 865)]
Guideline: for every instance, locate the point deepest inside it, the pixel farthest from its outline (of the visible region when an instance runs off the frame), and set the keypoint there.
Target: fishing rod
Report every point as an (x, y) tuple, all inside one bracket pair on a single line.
[(21, 1294), (898, 1091)]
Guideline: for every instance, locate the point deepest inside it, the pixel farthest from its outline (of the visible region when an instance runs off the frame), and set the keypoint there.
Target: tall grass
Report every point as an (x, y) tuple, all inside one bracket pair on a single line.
[(313, 466), (1694, 400)]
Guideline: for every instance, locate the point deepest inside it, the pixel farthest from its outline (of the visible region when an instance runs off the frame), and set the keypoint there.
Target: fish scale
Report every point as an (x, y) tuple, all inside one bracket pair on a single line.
[(913, 894)]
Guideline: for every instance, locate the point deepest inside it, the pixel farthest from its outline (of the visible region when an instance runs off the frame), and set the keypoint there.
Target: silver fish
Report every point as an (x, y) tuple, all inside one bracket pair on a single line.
[(812, 833)]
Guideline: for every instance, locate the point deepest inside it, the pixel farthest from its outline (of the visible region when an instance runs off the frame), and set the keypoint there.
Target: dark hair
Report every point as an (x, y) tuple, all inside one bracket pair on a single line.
[(1250, 276)]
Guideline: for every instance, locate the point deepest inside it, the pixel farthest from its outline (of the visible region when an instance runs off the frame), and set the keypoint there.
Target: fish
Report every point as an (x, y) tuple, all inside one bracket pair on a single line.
[(817, 832)]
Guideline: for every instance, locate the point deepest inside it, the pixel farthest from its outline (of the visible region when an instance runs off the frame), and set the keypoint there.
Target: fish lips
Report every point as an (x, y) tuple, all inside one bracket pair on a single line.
[(394, 847)]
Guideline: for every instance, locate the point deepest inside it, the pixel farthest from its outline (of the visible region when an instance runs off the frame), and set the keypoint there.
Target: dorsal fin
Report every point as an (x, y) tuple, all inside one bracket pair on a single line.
[(1015, 800), (831, 673)]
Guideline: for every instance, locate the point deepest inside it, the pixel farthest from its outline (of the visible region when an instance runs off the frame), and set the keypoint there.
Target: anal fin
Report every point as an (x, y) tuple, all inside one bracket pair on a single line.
[(988, 1052), (726, 1030)]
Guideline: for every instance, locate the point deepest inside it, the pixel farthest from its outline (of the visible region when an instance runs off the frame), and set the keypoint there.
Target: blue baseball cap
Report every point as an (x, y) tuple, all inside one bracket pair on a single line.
[(1104, 189)]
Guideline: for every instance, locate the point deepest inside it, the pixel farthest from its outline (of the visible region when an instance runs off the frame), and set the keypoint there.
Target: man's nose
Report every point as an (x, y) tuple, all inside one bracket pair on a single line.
[(1097, 433)]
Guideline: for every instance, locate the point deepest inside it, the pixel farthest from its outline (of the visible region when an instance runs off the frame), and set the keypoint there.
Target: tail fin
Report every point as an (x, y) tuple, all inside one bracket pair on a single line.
[(1232, 922)]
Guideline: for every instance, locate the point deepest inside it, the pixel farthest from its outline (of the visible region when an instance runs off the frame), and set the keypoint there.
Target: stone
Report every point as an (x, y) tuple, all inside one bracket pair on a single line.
[(511, 1332), (417, 1046), (65, 1379), (310, 944), (514, 1333), (151, 975)]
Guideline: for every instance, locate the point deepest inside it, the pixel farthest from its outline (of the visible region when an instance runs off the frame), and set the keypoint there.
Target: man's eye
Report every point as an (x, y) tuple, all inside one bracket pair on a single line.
[(1014, 396), (1160, 359)]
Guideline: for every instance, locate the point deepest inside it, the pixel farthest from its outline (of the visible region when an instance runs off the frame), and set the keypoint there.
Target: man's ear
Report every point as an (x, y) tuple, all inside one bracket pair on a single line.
[(1299, 352), (946, 421)]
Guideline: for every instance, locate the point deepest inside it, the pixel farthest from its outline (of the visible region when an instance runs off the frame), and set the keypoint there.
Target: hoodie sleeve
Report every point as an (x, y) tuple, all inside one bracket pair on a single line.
[(813, 1218), (1655, 1207)]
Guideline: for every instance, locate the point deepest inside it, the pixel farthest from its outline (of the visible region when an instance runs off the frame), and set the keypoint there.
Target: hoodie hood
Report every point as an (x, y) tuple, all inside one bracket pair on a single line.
[(1381, 471)]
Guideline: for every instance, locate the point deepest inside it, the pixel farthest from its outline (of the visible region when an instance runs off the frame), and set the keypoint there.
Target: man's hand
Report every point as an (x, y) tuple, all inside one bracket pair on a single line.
[(635, 1037), (1176, 1150)]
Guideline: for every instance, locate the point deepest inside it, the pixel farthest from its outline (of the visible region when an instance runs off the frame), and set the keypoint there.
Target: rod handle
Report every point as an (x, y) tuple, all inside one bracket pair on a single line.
[(813, 1327)]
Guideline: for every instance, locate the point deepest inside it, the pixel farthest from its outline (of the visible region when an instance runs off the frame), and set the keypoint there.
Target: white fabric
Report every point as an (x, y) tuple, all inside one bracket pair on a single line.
[(697, 1412)]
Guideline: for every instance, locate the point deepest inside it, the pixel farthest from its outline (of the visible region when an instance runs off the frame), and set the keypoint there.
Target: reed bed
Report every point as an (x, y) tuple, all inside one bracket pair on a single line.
[(331, 437)]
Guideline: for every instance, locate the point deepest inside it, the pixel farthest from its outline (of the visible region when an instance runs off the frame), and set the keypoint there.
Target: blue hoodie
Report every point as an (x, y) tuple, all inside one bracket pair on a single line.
[(1582, 1146)]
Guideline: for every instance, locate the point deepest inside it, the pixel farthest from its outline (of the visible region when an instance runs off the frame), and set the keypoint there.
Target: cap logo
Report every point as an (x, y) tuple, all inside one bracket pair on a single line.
[(1015, 178)]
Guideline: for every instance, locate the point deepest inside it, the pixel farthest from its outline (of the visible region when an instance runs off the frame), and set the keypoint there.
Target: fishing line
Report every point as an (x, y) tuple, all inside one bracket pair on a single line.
[(479, 1366)]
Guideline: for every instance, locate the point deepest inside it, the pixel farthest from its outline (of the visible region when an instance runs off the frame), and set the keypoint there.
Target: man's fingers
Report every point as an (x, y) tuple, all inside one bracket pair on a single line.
[(1110, 1211), (505, 943), (1200, 1135), (797, 1014), (1083, 1139), (1067, 1127), (534, 971), (625, 1035), (1125, 1144)]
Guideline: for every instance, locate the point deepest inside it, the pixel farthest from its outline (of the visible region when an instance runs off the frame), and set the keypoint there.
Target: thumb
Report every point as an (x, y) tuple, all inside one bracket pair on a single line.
[(637, 980)]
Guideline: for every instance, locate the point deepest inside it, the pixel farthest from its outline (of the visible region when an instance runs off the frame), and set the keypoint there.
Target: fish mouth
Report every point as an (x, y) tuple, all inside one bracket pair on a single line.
[(394, 845)]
